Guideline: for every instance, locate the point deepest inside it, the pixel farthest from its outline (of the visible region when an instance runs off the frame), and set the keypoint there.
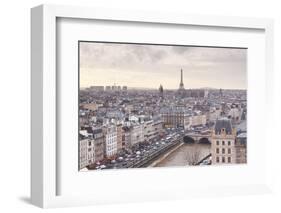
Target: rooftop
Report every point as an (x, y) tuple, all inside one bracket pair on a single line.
[(223, 123)]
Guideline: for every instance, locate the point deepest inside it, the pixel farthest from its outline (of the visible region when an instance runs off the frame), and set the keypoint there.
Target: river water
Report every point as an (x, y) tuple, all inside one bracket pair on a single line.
[(186, 155)]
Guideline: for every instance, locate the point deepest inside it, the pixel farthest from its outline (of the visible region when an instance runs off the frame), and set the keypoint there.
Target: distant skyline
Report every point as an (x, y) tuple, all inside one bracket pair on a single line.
[(148, 66)]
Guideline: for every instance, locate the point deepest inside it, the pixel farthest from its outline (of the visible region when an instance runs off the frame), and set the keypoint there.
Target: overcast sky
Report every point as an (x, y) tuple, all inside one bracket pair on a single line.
[(136, 65)]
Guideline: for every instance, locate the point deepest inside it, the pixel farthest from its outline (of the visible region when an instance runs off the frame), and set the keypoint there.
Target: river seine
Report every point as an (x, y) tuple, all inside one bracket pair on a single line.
[(186, 155)]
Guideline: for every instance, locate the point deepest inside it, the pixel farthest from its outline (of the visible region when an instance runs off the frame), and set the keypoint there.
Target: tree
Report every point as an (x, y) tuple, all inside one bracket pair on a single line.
[(193, 155)]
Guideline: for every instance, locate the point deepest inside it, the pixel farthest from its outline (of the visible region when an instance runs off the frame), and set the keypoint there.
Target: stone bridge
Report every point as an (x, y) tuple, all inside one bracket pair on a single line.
[(197, 138)]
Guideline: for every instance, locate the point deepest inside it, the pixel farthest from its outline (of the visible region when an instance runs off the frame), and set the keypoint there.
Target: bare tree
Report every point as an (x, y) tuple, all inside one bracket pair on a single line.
[(193, 156)]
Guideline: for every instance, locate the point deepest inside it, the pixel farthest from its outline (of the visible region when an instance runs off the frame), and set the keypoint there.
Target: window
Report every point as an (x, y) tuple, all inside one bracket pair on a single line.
[(229, 159), (229, 143), (229, 151), (223, 159), (218, 143), (217, 150), (89, 143), (223, 150), (218, 159), (223, 143)]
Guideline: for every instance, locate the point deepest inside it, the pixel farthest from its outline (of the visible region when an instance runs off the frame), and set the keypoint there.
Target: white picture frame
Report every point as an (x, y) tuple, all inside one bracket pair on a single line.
[(44, 83)]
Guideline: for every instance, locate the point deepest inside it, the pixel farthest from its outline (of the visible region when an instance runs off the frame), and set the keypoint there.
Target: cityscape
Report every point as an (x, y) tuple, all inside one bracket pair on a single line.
[(132, 117)]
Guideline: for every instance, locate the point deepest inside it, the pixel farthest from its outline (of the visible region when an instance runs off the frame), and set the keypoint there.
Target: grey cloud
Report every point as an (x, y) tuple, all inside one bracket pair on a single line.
[(200, 64)]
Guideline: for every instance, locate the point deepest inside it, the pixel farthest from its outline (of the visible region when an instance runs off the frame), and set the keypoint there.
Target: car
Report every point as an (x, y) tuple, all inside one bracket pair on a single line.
[(103, 166)]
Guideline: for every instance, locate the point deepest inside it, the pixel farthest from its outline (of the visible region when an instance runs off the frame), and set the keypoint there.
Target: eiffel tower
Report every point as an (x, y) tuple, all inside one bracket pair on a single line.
[(181, 83)]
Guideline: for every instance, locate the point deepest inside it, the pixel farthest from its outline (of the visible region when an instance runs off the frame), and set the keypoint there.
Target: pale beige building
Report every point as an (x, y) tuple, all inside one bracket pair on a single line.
[(174, 117), (213, 114), (157, 127), (152, 128), (99, 144), (137, 133), (119, 137), (83, 152), (223, 142), (148, 130), (110, 141), (195, 120), (126, 137), (86, 151)]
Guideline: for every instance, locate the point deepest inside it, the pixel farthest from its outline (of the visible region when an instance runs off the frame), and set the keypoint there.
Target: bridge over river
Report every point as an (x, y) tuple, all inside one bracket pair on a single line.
[(197, 138), (189, 149)]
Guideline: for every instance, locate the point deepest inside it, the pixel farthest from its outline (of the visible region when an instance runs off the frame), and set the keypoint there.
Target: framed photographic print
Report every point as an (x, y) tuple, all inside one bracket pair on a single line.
[(141, 124), (130, 106)]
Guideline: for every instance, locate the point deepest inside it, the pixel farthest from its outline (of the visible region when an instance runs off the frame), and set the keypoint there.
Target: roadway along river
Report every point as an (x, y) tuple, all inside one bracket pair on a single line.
[(185, 155)]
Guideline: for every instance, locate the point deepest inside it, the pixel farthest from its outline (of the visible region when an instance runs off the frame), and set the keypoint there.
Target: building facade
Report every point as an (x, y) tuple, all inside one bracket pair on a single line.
[(235, 114), (86, 151), (213, 114), (148, 130), (126, 138), (174, 117), (119, 137), (152, 129), (223, 142), (241, 148), (82, 152), (99, 144), (110, 141), (157, 128), (137, 133), (195, 120)]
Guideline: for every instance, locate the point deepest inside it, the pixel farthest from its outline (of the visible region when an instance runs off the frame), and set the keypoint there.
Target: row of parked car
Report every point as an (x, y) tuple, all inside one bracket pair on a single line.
[(127, 158)]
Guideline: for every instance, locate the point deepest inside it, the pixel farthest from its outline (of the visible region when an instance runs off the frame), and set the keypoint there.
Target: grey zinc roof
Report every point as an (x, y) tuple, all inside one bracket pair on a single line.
[(97, 131), (223, 123), (174, 110)]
